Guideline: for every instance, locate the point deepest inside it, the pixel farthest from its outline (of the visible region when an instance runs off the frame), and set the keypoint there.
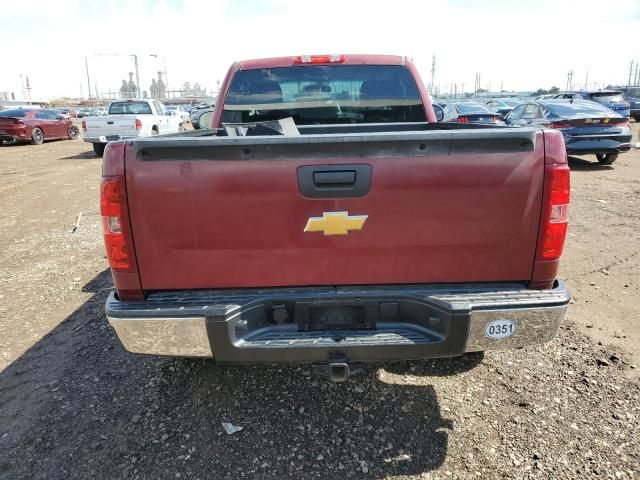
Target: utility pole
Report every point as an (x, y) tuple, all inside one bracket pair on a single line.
[(28, 89), (630, 72), (636, 81), (433, 70), (135, 63), (569, 79), (586, 80), (86, 65)]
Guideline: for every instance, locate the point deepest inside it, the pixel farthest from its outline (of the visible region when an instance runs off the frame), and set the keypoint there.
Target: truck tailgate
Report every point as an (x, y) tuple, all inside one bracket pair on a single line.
[(124, 125), (441, 207)]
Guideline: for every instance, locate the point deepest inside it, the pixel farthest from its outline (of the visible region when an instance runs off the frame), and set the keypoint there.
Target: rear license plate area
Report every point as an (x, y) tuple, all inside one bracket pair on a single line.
[(343, 317)]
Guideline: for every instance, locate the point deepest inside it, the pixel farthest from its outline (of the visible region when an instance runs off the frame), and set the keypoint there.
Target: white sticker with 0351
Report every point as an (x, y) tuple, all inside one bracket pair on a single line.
[(500, 329)]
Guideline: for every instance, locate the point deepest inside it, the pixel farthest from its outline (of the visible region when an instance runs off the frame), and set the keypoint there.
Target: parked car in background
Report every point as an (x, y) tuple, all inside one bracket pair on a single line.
[(612, 99), (62, 111), (130, 119), (470, 112), (546, 96), (502, 105), (632, 95), (180, 111), (35, 126), (587, 127), (87, 112)]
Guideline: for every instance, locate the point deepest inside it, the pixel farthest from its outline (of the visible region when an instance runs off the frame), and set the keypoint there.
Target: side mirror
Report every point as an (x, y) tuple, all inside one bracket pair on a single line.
[(439, 111)]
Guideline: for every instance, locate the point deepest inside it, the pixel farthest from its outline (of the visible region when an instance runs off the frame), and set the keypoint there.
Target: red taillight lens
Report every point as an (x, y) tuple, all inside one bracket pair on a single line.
[(138, 124), (561, 124), (320, 59), (556, 212), (111, 208), (84, 125), (463, 119)]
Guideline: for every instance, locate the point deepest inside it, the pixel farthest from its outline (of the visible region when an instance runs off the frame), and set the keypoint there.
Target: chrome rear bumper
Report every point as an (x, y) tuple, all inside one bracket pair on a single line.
[(400, 322)]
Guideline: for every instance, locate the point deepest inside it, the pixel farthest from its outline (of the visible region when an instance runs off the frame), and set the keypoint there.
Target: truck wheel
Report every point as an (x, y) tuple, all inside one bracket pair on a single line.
[(99, 148), (37, 137), (606, 158), (74, 132), (154, 131)]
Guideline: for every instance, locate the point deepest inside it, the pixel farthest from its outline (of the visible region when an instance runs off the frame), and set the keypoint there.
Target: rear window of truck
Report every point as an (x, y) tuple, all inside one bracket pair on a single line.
[(130, 108), (325, 94)]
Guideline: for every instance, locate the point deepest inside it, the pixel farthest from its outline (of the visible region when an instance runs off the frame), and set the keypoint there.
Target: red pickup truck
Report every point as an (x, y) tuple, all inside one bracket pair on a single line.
[(328, 218)]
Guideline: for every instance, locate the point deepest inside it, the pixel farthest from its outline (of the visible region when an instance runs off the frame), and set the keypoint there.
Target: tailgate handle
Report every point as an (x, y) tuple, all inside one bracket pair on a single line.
[(334, 181), (337, 178), (109, 123)]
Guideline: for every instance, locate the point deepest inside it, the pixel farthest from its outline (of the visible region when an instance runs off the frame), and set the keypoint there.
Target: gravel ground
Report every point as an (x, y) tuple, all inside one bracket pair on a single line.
[(73, 404)]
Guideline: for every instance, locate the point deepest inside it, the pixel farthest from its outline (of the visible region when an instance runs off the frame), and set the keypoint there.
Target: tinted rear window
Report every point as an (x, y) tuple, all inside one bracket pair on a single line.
[(607, 97), (472, 108), (325, 94), (577, 109), (14, 113), (129, 108)]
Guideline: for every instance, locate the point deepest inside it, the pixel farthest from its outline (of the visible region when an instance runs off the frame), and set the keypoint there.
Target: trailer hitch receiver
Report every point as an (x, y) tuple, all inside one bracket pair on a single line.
[(337, 370)]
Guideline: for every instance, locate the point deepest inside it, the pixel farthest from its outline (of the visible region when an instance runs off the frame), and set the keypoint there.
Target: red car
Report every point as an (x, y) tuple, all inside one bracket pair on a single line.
[(35, 126)]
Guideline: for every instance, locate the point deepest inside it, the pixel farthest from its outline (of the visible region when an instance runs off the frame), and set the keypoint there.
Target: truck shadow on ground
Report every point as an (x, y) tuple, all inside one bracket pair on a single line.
[(584, 165), (75, 405), (89, 154)]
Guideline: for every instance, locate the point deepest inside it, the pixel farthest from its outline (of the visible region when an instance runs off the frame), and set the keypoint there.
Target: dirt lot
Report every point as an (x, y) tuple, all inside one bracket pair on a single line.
[(73, 404)]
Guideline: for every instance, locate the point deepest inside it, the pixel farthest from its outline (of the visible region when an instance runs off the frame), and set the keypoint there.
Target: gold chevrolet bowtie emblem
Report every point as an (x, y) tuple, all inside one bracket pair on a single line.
[(335, 223)]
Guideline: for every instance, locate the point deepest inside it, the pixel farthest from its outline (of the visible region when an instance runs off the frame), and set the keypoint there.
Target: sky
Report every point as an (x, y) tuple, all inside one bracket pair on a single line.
[(517, 45)]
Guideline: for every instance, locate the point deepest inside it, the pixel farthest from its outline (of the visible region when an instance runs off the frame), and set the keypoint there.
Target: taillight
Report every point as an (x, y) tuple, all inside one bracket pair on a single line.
[(320, 59), (555, 220), (138, 124), (84, 125), (111, 209), (561, 124), (463, 119)]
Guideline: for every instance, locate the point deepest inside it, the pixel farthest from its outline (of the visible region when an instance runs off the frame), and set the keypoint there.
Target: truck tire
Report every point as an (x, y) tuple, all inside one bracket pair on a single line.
[(99, 148), (37, 137), (154, 130), (606, 158)]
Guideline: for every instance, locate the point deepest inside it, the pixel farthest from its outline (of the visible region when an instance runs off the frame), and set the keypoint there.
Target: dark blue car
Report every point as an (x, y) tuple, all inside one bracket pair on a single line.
[(587, 127), (613, 99)]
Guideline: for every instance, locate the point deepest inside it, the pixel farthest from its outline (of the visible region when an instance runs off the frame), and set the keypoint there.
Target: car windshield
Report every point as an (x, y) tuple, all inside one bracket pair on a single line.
[(512, 103), (14, 113), (129, 108), (578, 109), (607, 97), (325, 94), (472, 108)]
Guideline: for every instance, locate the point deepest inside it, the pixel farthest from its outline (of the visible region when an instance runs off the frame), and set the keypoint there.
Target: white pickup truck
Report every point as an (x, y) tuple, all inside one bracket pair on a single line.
[(129, 119)]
